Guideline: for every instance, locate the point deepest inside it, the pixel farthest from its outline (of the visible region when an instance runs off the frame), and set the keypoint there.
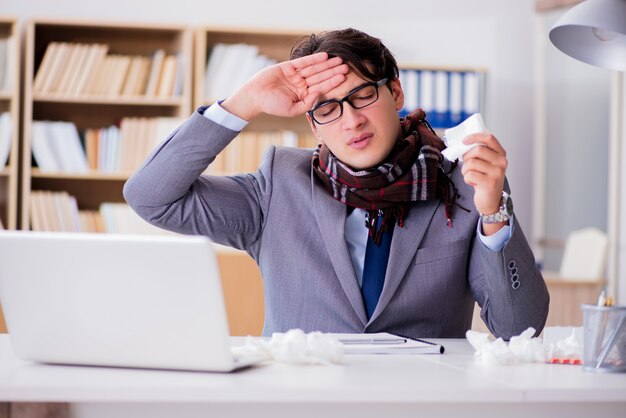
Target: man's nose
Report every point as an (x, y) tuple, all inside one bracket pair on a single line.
[(352, 118)]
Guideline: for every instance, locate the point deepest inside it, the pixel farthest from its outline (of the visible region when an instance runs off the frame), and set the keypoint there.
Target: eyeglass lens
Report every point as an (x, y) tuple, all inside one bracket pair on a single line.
[(358, 99)]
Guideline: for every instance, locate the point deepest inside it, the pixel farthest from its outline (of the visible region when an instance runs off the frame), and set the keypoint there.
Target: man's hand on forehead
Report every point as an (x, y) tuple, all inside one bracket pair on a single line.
[(320, 74), (288, 88)]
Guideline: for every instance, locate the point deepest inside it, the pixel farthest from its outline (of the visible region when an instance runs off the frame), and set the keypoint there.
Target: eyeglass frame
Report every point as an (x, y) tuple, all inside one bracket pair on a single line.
[(376, 84)]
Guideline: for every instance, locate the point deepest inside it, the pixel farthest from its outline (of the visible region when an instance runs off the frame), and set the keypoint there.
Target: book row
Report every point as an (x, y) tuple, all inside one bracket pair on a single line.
[(58, 212), (7, 52), (58, 146), (75, 69), (447, 97), (245, 152)]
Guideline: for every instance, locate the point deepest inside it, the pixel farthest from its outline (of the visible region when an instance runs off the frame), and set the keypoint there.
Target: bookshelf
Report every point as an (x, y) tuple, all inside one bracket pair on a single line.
[(9, 122), (224, 59), (97, 75)]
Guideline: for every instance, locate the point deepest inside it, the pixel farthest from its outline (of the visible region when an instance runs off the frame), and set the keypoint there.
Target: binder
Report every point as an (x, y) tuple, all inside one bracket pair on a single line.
[(440, 117)]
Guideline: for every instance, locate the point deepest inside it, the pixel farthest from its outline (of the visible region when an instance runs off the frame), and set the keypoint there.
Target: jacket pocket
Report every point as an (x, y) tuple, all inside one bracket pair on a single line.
[(441, 252)]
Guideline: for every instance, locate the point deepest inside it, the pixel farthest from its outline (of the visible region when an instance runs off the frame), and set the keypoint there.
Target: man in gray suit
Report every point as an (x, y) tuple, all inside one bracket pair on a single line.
[(373, 231)]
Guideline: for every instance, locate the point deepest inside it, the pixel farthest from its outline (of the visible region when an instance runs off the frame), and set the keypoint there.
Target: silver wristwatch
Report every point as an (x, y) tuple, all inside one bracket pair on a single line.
[(502, 215)]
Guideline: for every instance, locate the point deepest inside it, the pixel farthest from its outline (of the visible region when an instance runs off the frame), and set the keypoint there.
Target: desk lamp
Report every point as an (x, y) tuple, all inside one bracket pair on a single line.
[(594, 32)]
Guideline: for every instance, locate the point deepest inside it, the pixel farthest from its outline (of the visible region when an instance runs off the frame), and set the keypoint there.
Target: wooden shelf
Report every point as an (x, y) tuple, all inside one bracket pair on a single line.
[(104, 100), (10, 102), (92, 175)]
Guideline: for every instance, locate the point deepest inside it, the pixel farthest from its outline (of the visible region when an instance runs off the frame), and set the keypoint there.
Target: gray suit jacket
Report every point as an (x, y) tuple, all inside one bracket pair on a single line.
[(294, 229)]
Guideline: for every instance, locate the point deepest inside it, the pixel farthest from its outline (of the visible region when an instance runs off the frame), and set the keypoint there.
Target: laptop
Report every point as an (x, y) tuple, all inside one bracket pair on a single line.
[(115, 300)]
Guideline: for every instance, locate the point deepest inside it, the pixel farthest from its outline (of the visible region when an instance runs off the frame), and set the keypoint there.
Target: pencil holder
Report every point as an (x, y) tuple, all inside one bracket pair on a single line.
[(604, 343)]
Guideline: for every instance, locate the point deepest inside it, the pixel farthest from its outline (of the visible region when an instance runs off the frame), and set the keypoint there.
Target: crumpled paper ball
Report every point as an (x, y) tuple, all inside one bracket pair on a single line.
[(567, 348), (523, 348), (296, 347)]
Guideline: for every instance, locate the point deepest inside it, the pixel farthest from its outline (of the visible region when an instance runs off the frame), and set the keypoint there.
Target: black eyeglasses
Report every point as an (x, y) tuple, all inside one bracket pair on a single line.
[(331, 110)]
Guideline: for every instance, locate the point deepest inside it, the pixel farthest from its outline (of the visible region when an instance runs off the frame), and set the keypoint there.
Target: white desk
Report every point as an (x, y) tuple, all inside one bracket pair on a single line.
[(449, 385)]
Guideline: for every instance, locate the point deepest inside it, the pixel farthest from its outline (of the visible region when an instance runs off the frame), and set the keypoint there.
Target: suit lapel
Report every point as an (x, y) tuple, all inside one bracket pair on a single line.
[(404, 245), (330, 216)]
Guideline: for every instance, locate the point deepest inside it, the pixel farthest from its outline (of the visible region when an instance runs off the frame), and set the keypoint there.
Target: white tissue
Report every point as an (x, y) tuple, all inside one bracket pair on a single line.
[(296, 347), (453, 137), (523, 348), (566, 348)]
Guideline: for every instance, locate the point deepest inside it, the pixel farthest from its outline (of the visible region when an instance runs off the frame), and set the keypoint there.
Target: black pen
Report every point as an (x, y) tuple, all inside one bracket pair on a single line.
[(373, 341)]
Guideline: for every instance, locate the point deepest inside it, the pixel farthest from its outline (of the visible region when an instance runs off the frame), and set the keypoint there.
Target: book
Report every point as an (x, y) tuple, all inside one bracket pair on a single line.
[(142, 81), (6, 133), (4, 62), (133, 83), (179, 79), (11, 64), (120, 74), (100, 75), (73, 67), (155, 72), (385, 343), (59, 68), (66, 146), (42, 149), (95, 55), (168, 77), (213, 67), (44, 68)]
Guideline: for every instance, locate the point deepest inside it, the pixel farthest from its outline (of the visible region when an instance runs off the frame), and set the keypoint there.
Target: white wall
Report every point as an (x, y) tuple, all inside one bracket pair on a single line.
[(492, 34)]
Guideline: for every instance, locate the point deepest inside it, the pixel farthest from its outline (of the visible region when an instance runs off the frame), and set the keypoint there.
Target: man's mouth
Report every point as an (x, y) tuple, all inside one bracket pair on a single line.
[(359, 140)]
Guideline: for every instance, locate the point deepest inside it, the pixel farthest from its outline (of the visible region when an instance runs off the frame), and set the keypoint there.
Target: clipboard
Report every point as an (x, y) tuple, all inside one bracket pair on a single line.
[(386, 343)]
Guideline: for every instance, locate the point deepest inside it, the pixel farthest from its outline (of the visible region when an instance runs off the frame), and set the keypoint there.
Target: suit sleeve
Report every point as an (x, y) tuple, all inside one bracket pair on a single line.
[(170, 191), (508, 286)]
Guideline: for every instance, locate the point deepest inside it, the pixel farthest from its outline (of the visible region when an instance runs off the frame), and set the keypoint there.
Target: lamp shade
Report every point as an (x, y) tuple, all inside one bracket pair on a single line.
[(594, 32)]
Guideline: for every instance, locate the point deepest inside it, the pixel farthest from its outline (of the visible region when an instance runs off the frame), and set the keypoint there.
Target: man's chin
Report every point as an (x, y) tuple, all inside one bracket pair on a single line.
[(362, 164)]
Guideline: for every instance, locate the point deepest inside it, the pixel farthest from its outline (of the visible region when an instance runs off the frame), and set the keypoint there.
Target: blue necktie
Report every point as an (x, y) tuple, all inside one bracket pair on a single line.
[(374, 268)]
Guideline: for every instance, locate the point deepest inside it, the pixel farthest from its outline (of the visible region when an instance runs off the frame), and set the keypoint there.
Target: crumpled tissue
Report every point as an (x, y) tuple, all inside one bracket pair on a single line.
[(564, 348), (453, 137), (523, 348), (295, 347)]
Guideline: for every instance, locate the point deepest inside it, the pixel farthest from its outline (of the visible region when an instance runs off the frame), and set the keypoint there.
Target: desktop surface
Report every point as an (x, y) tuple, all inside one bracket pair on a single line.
[(367, 384)]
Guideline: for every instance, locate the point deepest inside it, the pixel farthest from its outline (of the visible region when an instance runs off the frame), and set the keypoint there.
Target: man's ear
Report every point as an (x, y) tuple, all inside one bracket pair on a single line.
[(397, 93), (313, 127)]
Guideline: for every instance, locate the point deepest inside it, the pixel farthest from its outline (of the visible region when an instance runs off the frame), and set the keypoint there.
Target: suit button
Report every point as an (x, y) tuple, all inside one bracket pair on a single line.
[(514, 277), (515, 284), (512, 264)]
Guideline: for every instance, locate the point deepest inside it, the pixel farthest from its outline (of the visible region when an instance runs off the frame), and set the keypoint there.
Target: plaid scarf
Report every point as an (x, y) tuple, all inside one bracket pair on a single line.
[(412, 172)]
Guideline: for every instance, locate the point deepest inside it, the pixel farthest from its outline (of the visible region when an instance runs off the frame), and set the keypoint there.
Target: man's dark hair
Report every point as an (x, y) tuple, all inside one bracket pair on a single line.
[(355, 48)]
